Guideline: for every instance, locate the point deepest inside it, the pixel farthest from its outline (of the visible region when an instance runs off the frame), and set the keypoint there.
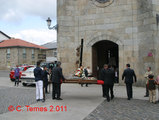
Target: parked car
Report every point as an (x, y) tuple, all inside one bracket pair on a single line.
[(22, 69), (27, 77)]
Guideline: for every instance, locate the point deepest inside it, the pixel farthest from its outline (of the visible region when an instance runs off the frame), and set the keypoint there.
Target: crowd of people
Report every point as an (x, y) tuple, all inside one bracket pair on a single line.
[(41, 78), (107, 74)]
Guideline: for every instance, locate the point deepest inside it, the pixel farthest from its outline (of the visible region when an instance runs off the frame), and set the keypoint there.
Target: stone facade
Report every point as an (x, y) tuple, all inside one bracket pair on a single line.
[(16, 56), (51, 55), (131, 24)]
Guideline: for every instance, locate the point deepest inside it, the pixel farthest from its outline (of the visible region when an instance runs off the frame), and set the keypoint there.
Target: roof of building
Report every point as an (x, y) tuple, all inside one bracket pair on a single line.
[(19, 43), (50, 45), (5, 35)]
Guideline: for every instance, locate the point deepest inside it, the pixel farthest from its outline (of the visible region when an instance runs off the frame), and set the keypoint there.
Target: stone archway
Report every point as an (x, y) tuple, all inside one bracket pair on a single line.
[(104, 52), (111, 38), (98, 38)]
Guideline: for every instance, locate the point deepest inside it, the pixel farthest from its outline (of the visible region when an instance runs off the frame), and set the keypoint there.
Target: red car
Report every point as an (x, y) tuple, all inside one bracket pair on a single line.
[(22, 68)]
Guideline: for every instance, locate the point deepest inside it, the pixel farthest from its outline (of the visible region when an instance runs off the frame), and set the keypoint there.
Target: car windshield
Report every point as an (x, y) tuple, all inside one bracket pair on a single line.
[(21, 68), (30, 69)]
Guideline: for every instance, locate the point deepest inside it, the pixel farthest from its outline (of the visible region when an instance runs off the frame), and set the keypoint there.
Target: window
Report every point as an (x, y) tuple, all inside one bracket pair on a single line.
[(55, 54), (32, 51), (24, 53), (32, 55), (8, 53)]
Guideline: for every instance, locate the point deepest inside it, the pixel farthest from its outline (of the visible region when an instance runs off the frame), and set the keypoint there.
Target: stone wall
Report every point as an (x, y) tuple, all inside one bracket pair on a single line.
[(29, 59), (129, 23), (147, 37), (3, 58), (155, 8), (16, 57), (50, 53)]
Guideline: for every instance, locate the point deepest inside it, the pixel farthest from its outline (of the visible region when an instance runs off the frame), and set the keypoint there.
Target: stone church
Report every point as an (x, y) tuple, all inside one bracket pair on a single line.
[(115, 32)]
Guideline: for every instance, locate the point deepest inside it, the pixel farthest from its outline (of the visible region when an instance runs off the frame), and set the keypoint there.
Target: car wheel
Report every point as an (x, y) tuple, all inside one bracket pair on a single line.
[(12, 80), (24, 84)]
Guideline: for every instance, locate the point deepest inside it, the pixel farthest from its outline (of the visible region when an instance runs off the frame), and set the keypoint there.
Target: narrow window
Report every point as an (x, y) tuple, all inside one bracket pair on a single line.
[(24, 53), (8, 53), (33, 54)]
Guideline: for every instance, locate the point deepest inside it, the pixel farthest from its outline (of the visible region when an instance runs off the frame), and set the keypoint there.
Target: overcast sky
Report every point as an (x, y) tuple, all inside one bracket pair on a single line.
[(26, 19)]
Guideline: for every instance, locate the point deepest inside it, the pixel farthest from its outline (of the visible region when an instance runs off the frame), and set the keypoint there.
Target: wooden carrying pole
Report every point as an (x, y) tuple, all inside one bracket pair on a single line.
[(81, 53), (80, 81)]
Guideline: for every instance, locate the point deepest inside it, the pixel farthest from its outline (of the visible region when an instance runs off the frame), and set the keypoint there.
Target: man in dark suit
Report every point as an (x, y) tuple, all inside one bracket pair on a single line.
[(108, 76), (128, 74), (57, 76), (109, 79), (102, 74)]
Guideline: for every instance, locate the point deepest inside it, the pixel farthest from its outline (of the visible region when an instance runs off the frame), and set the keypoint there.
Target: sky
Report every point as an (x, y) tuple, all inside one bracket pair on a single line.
[(26, 20)]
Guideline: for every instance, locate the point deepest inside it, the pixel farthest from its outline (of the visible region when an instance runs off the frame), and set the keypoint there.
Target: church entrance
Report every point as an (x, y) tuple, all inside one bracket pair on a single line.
[(104, 52)]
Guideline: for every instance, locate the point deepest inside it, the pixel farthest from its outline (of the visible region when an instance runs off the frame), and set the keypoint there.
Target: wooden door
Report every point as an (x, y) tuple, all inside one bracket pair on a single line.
[(94, 61)]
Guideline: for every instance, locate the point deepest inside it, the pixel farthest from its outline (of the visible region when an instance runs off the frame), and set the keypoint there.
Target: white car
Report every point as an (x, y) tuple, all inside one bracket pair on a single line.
[(28, 77)]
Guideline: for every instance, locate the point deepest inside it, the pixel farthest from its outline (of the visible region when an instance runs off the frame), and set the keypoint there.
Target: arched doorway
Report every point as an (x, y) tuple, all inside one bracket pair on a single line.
[(104, 52)]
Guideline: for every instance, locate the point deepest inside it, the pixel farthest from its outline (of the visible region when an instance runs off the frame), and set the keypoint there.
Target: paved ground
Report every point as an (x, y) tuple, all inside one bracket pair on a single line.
[(122, 109), (80, 102), (4, 73), (15, 96), (12, 95)]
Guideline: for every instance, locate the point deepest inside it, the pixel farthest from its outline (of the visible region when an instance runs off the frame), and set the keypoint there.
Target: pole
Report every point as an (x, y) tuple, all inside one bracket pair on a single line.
[(81, 53)]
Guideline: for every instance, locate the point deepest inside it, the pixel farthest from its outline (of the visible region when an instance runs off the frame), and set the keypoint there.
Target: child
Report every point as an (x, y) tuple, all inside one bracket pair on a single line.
[(152, 89), (17, 75)]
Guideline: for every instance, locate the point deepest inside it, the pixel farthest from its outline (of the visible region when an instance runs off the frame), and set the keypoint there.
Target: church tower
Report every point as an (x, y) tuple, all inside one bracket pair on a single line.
[(115, 32)]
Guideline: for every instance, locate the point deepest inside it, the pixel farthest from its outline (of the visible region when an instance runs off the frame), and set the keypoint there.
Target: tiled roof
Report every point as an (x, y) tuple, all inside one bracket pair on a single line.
[(18, 43), (50, 45)]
